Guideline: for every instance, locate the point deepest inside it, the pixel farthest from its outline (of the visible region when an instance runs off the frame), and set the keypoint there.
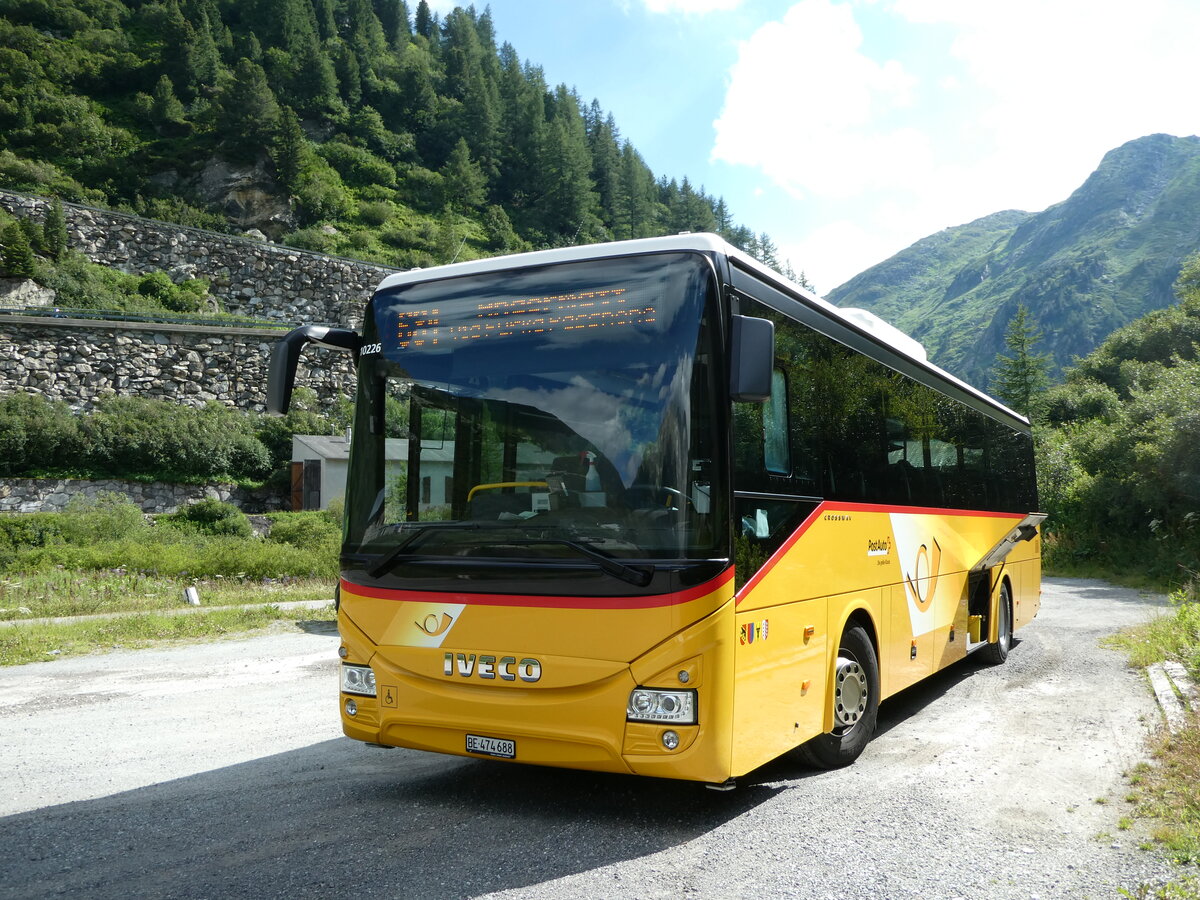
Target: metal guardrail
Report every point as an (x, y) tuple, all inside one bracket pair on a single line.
[(109, 315)]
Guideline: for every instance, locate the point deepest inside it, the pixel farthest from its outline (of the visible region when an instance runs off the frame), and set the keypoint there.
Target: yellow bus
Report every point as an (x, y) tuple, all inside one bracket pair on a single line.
[(647, 507)]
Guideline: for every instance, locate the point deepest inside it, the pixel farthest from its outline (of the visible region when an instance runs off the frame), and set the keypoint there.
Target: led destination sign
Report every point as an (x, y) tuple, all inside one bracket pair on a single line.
[(605, 308)]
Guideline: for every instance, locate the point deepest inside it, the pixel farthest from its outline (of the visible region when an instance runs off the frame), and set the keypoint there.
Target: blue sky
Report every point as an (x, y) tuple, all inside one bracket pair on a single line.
[(848, 129)]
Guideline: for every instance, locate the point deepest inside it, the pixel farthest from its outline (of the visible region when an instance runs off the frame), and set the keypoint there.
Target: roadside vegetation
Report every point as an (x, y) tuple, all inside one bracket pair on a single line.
[(103, 559), (1166, 790), (1118, 447), (150, 439), (1118, 459)]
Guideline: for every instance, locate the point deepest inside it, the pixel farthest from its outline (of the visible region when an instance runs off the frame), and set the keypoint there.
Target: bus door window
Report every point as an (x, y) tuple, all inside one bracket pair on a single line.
[(764, 516)]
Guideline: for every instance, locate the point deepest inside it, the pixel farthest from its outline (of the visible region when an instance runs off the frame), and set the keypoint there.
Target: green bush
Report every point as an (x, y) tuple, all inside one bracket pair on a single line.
[(142, 435), (36, 433), (313, 239), (358, 166), (306, 530), (108, 516), (376, 213), (322, 194), (18, 530), (213, 517), (303, 417), (82, 284)]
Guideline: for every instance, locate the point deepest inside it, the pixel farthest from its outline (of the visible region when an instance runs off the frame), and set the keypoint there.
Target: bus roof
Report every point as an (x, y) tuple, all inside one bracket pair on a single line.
[(863, 321)]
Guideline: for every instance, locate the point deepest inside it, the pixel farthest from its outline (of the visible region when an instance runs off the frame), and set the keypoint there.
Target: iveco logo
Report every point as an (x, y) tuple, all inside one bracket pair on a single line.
[(507, 668)]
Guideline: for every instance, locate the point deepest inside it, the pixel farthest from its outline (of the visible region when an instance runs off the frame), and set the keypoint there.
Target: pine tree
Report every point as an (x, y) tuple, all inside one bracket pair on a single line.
[(249, 113), (314, 83), (289, 150), (393, 16), (426, 23), (636, 207), (767, 253), (568, 204), (167, 109), (54, 229), (462, 180), (349, 74), (17, 258), (205, 56), (1020, 378), (606, 160)]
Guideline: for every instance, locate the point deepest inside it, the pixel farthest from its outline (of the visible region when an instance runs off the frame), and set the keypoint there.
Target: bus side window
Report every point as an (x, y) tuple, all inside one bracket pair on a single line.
[(776, 452)]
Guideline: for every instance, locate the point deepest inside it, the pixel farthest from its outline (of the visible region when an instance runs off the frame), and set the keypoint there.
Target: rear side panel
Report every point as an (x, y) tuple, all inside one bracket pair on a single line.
[(911, 566)]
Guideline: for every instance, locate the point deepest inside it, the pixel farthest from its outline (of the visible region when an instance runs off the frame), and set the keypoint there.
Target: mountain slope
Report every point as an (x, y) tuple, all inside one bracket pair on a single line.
[(347, 126), (1084, 267)]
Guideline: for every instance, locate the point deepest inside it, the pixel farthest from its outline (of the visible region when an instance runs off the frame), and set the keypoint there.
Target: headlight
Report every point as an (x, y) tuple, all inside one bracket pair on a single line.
[(650, 705), (358, 680)]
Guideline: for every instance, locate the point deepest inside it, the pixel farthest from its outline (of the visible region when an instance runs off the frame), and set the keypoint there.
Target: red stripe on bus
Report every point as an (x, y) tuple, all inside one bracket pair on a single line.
[(652, 602), (825, 506)]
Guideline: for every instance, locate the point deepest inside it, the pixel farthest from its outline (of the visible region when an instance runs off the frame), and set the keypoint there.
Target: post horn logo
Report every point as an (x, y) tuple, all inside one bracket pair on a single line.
[(927, 566), (434, 626)]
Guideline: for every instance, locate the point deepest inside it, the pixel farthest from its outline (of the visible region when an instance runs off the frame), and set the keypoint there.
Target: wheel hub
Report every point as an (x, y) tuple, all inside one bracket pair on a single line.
[(850, 692)]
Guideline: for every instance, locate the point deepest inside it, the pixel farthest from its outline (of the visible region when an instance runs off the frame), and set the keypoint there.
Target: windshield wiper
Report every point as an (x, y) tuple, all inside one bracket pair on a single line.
[(608, 565), (401, 549)]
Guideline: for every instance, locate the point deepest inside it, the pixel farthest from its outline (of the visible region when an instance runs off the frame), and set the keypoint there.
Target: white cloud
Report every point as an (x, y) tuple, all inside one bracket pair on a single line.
[(896, 118), (807, 106), (691, 7)]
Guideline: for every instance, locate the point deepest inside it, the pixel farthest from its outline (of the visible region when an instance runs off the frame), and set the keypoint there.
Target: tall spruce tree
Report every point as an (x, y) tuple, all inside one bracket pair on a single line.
[(249, 113), (16, 261), (167, 110), (54, 227), (462, 180), (1020, 378), (426, 22), (289, 150)]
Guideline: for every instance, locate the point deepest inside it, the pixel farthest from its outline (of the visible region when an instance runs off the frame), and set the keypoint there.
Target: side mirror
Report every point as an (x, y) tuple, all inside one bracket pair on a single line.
[(281, 376), (752, 357)]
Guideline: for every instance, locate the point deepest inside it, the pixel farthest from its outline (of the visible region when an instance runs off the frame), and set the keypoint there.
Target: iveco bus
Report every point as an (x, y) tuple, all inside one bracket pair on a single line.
[(648, 507)]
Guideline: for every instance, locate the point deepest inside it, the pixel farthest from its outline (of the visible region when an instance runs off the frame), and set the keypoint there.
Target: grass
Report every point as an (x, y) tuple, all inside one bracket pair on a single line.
[(24, 643), (1167, 791), (102, 560), (74, 592), (1141, 563), (1184, 889)]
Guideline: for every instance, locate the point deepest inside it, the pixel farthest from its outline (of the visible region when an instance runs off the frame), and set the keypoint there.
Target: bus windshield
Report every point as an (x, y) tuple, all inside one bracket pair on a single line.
[(557, 419)]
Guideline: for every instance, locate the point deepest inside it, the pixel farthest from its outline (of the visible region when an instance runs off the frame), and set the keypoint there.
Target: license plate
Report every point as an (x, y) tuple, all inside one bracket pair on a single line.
[(488, 746)]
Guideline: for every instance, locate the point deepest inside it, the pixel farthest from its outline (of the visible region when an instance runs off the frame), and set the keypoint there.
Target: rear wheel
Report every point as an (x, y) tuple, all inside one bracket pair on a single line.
[(998, 652), (855, 704)]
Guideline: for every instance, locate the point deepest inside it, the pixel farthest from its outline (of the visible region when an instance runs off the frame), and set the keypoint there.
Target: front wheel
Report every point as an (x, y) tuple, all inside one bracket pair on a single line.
[(998, 652), (855, 704)]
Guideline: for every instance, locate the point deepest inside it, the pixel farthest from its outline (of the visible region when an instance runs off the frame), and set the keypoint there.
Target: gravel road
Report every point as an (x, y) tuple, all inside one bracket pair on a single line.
[(218, 770)]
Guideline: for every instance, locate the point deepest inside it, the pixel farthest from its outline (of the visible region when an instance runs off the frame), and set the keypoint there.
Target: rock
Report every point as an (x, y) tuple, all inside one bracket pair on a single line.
[(246, 195), (16, 293)]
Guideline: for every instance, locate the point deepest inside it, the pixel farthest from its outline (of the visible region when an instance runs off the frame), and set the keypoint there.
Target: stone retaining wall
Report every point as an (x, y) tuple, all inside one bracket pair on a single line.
[(249, 277), (80, 361), (53, 495)]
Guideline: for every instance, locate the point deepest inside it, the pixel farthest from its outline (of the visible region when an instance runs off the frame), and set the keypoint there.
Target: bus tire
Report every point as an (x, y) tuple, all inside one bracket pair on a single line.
[(995, 654), (855, 704)]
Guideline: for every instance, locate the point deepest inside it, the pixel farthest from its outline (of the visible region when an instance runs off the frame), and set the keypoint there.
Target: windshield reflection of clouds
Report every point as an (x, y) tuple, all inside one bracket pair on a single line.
[(618, 379), (609, 421)]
